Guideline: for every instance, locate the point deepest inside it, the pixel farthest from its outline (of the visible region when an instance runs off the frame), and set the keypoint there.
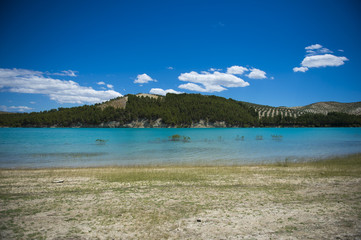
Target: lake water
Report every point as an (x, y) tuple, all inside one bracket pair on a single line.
[(66, 147)]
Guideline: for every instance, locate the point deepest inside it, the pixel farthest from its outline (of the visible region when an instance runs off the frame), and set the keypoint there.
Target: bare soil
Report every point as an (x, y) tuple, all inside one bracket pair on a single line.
[(297, 201)]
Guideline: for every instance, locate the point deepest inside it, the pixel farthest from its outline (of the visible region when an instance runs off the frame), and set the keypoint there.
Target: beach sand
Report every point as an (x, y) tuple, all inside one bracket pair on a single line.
[(319, 200)]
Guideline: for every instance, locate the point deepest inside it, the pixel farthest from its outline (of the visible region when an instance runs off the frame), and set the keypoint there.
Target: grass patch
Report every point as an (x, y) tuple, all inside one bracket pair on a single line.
[(349, 162), (149, 175), (165, 202)]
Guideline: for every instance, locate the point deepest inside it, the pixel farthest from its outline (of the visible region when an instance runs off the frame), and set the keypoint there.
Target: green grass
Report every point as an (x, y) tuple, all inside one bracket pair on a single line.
[(350, 164)]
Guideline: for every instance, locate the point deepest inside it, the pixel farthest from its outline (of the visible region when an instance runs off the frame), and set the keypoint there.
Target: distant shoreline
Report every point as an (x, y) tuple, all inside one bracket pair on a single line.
[(39, 127), (284, 162)]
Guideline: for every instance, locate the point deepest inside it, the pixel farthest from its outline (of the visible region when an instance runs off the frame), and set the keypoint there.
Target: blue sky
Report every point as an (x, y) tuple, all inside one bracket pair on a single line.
[(279, 53)]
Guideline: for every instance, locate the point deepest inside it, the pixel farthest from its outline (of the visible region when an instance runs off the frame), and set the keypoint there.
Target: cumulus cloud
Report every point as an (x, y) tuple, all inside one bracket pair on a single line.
[(170, 68), (236, 70), (319, 56), (313, 47), (211, 82), (300, 69), (325, 50), (325, 60), (7, 73), (62, 91), (317, 49), (15, 108), (257, 74), (103, 83), (197, 88), (69, 73), (159, 91), (144, 78), (214, 69)]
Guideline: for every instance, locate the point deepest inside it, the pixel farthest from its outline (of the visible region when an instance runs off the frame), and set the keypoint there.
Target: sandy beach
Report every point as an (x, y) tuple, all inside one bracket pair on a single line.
[(318, 200)]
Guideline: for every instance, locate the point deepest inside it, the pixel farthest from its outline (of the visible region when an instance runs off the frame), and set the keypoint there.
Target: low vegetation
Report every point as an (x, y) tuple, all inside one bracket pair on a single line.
[(177, 138), (312, 200)]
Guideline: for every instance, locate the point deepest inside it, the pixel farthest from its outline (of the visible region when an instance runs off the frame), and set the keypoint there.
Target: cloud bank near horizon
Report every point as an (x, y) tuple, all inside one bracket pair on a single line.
[(15, 108), (62, 91)]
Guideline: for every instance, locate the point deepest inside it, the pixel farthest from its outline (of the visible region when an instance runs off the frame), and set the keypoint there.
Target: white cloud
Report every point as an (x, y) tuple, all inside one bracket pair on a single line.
[(212, 82), (197, 88), (103, 83), (192, 87), (62, 91), (319, 56), (15, 108), (257, 74), (33, 102), (326, 60), (69, 73), (300, 69), (170, 68), (20, 108), (7, 73), (313, 47), (236, 70), (214, 69), (144, 78), (324, 50), (159, 91), (215, 81), (317, 49)]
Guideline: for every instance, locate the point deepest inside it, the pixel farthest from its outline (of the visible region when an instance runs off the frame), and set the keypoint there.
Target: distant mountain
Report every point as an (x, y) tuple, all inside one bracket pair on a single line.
[(315, 108), (327, 107), (189, 110)]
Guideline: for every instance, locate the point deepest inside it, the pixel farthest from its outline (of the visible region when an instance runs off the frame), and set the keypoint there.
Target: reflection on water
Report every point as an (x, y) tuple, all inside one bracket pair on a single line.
[(99, 147)]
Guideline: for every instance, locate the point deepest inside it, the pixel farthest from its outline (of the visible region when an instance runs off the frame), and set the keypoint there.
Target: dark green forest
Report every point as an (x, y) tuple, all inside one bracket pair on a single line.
[(176, 111)]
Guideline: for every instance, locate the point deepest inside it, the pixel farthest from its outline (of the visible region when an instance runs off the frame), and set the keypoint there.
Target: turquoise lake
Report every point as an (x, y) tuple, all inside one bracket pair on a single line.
[(69, 147)]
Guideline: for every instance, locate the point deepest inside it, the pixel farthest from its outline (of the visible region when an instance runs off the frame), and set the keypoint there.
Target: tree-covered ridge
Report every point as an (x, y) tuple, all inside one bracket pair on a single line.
[(332, 119), (183, 110)]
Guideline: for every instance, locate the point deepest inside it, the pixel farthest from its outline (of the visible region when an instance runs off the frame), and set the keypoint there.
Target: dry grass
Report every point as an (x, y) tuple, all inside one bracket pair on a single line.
[(317, 200)]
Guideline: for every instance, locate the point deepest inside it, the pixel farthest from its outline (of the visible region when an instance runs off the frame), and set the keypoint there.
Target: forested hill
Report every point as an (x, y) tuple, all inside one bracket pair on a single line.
[(172, 110)]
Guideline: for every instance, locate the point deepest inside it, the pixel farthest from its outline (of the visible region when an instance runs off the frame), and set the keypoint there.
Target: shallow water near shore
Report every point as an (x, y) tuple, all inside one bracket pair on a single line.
[(87, 147)]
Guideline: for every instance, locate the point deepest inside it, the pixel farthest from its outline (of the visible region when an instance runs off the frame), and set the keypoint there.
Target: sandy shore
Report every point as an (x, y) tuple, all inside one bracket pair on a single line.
[(320, 200)]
